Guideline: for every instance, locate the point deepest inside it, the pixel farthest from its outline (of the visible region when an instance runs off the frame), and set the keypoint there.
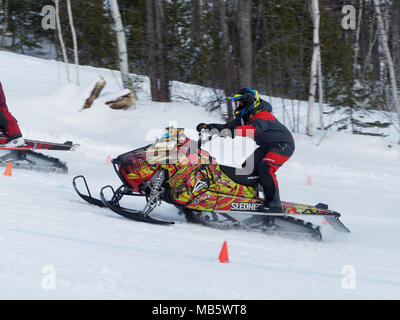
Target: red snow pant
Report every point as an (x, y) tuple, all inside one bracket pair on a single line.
[(8, 123), (267, 161)]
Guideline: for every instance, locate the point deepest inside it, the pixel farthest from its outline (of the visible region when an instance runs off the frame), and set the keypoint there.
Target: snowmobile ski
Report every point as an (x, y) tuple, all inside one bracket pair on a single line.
[(136, 215), (113, 204), (88, 198)]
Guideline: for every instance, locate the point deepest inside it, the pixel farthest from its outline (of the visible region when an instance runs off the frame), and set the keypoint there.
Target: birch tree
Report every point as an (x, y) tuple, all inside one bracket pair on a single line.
[(61, 39), (388, 58), (122, 48), (74, 40), (320, 92), (314, 64), (357, 43)]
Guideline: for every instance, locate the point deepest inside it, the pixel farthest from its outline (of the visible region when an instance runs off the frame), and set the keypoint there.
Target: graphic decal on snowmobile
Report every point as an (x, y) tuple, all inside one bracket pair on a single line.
[(200, 185), (201, 191), (245, 206), (201, 198)]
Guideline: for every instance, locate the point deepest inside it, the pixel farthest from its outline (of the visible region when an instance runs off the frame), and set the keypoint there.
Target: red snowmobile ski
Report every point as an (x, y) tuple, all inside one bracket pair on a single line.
[(24, 157), (176, 170)]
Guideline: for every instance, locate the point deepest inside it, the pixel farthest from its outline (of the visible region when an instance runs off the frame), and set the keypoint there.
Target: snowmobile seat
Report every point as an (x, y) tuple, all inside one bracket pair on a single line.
[(243, 179)]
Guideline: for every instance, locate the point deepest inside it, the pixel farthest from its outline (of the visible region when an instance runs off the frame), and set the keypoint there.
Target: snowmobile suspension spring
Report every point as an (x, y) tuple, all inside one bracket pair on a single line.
[(154, 198)]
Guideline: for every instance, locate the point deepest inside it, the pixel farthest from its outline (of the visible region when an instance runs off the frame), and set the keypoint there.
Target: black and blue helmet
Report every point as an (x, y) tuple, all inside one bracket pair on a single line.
[(248, 100)]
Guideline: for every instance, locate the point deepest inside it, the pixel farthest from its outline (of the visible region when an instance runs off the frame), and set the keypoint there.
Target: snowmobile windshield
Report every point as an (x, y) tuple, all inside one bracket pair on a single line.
[(165, 136), (173, 134), (169, 140)]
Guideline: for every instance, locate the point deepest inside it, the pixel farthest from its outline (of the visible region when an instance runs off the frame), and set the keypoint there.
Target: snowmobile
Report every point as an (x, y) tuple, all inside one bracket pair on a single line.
[(176, 170), (25, 158)]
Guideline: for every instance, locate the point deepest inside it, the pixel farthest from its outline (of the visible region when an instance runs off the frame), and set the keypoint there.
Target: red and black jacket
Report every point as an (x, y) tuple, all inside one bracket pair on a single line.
[(260, 123)]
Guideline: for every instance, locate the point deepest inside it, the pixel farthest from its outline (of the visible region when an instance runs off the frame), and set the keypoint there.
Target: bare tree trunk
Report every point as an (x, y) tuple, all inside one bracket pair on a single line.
[(259, 19), (161, 37), (75, 42), (157, 62), (396, 36), (4, 32), (151, 62), (196, 37), (369, 54), (314, 65), (389, 61), (357, 44), (122, 49), (244, 17), (267, 33), (61, 39), (22, 37), (195, 27), (228, 88), (373, 36), (320, 93)]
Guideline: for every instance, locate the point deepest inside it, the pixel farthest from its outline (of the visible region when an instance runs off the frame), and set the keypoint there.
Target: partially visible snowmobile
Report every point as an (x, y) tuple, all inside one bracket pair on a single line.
[(176, 170), (24, 157)]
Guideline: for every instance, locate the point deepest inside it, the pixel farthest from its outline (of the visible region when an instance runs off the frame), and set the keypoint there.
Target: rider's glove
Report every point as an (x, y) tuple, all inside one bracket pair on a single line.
[(201, 126)]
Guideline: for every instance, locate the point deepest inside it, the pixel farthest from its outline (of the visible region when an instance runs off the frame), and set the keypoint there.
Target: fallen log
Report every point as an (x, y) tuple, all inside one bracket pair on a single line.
[(122, 102), (95, 93)]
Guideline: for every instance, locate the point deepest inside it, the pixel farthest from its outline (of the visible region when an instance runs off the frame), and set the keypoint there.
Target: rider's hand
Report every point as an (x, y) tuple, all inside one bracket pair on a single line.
[(201, 126)]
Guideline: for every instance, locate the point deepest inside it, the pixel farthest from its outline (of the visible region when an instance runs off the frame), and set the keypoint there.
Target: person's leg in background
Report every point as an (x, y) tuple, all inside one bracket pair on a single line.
[(9, 124)]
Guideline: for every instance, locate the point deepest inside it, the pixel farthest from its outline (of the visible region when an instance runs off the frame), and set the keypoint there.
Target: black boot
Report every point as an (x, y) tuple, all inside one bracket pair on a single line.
[(273, 204), (268, 222)]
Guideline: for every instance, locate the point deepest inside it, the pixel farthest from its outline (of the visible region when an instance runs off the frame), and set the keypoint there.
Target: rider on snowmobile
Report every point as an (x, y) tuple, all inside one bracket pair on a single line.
[(275, 142), (9, 124)]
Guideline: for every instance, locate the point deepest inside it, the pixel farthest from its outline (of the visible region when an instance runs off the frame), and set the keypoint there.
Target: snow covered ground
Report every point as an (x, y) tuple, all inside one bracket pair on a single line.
[(54, 246)]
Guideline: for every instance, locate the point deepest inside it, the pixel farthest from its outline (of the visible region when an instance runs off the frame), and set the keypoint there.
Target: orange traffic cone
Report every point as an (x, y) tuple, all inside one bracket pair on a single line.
[(8, 171), (325, 222), (309, 183), (108, 161), (223, 256)]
